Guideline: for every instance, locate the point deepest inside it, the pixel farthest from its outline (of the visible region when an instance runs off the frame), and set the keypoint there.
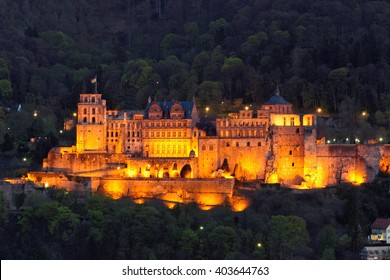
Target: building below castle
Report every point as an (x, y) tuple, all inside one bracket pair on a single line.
[(169, 140)]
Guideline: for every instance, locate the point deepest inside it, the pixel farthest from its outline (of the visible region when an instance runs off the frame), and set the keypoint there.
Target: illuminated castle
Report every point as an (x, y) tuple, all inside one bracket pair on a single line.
[(167, 140)]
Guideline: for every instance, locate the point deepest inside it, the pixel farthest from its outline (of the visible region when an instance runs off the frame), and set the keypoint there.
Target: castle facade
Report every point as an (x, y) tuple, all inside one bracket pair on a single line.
[(170, 140)]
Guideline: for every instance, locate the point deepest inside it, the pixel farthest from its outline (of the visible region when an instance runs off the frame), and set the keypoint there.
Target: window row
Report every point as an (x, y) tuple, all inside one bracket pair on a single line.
[(167, 149), (166, 124), (241, 123), (237, 144), (241, 133), (93, 111), (116, 134), (167, 134)]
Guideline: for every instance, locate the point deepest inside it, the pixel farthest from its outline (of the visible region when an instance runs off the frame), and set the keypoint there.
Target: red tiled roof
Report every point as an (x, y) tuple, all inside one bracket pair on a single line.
[(381, 223)]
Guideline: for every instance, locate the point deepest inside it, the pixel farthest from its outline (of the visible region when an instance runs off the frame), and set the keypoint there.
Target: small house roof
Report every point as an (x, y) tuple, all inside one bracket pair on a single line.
[(381, 223)]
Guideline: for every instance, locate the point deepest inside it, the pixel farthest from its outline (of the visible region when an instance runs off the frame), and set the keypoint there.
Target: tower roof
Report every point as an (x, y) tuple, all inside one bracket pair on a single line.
[(277, 99)]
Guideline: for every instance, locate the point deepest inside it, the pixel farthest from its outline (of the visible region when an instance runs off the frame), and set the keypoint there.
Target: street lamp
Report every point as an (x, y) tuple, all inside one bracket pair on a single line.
[(319, 110)]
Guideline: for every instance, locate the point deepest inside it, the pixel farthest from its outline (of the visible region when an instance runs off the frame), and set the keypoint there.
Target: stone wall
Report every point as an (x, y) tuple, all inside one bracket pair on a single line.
[(209, 192)]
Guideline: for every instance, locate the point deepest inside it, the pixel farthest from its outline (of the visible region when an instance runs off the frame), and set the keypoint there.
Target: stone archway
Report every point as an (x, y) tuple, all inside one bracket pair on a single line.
[(186, 171)]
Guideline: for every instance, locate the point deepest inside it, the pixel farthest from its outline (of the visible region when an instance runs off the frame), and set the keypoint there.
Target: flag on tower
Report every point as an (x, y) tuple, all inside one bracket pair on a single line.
[(94, 80)]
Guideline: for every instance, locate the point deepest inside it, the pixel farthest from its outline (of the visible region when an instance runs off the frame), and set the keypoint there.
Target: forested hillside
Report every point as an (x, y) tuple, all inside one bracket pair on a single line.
[(333, 54)]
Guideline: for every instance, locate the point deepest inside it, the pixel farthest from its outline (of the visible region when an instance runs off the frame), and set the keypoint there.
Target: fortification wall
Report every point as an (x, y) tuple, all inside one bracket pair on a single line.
[(202, 191), (246, 162)]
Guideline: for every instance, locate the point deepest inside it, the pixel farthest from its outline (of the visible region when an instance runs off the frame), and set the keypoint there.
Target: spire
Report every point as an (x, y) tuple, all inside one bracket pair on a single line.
[(277, 92)]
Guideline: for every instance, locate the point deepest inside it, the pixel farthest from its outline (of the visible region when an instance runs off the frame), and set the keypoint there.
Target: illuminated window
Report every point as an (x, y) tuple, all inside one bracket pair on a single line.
[(259, 144), (85, 110), (290, 152), (248, 144), (237, 144), (292, 164), (203, 147), (292, 121), (227, 144), (211, 147)]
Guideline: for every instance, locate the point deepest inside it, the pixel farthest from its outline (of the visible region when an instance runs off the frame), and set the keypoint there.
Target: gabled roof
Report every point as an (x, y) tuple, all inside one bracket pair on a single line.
[(166, 107), (381, 223)]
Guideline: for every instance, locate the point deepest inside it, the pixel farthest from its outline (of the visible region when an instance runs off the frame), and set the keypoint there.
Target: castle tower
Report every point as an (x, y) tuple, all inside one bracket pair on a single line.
[(91, 124)]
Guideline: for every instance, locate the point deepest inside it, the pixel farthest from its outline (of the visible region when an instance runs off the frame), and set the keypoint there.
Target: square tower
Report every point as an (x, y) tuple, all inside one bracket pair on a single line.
[(91, 123)]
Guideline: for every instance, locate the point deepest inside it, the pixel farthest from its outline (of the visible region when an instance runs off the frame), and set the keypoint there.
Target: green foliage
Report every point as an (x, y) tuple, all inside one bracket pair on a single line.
[(6, 88), (3, 209), (288, 237)]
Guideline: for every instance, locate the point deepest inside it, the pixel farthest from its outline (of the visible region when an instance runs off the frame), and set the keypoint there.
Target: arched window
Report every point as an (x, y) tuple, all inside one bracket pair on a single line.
[(211, 147), (297, 131), (85, 110), (85, 119), (237, 144), (174, 166), (93, 119), (203, 147), (259, 144)]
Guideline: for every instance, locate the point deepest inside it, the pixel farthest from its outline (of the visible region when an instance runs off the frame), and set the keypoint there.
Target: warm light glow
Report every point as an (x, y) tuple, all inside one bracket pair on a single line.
[(259, 245), (356, 178), (319, 110), (35, 114), (74, 114), (205, 207), (46, 185), (24, 159), (380, 139), (131, 173), (239, 203), (246, 108), (273, 179), (139, 201), (207, 109), (364, 113), (210, 199), (170, 205)]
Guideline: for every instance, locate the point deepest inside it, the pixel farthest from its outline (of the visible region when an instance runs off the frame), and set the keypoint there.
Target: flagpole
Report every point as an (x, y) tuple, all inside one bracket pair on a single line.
[(96, 84)]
